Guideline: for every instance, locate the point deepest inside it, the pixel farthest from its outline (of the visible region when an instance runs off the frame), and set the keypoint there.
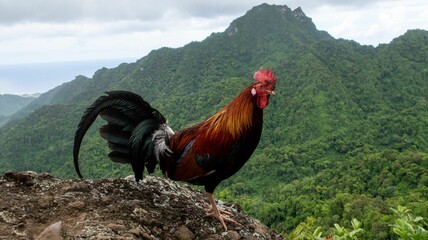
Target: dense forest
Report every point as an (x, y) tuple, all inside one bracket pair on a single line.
[(345, 137)]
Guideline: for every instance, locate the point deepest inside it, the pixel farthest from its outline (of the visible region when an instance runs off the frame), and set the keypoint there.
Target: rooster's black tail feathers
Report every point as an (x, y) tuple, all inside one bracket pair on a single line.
[(131, 124)]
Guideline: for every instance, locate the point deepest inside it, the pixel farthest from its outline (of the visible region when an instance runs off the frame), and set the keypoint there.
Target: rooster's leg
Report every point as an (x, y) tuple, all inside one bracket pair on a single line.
[(215, 212), (210, 210)]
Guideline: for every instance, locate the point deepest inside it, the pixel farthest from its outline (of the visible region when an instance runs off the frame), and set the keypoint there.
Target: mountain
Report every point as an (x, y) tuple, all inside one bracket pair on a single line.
[(345, 136), (112, 209), (9, 104)]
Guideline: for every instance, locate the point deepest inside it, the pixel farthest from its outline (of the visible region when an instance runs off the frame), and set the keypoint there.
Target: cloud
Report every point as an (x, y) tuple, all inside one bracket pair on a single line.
[(377, 22), (46, 30), (17, 11)]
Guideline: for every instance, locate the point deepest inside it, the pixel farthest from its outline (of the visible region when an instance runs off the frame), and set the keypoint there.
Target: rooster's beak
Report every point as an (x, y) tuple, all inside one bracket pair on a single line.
[(271, 92)]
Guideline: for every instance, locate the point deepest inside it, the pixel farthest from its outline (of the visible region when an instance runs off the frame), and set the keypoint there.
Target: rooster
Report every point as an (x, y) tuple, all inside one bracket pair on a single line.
[(203, 154)]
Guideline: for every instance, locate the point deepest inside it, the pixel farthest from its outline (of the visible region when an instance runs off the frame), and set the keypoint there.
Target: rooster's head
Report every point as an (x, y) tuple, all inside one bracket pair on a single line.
[(264, 86)]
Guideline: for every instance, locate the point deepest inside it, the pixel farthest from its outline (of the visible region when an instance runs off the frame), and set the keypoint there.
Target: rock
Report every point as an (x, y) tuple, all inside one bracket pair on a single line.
[(136, 232), (26, 177), (116, 227), (214, 237), (146, 236), (7, 217), (45, 201), (262, 230), (79, 187), (101, 236), (157, 231), (106, 200), (77, 205), (232, 235), (183, 233), (53, 232), (154, 208)]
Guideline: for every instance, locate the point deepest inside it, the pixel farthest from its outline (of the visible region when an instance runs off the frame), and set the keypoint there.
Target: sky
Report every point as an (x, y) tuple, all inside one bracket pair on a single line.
[(44, 43)]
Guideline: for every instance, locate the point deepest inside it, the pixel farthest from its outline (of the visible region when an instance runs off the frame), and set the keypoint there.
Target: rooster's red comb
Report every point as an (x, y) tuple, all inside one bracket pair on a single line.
[(263, 75)]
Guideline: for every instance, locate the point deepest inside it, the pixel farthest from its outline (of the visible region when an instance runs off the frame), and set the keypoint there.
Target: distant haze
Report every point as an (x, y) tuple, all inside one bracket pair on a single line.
[(28, 78)]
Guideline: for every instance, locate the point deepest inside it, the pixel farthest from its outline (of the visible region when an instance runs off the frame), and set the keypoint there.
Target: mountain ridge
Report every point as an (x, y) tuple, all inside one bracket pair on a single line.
[(10, 104)]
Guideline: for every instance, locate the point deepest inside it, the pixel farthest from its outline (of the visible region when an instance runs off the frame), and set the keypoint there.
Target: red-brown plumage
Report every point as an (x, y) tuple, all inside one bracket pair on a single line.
[(215, 138), (204, 154)]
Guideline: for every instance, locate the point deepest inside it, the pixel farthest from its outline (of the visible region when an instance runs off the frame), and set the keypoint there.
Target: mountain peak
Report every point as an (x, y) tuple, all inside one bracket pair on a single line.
[(299, 14), (265, 19)]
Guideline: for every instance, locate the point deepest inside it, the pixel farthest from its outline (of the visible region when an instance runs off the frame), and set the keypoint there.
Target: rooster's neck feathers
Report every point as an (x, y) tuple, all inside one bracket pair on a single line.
[(234, 119)]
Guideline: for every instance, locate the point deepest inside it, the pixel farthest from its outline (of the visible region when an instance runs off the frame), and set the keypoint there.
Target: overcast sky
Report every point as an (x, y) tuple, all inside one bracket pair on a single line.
[(43, 31)]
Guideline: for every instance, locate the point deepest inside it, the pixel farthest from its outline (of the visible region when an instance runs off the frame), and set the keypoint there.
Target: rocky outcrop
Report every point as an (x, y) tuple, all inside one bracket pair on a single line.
[(40, 206)]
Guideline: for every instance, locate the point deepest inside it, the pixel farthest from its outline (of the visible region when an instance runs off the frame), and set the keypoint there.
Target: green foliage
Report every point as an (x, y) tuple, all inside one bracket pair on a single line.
[(345, 137), (345, 234), (408, 227), (303, 232), (405, 226)]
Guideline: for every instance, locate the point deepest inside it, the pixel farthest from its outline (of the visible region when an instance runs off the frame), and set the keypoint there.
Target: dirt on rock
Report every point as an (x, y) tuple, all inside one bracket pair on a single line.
[(40, 206)]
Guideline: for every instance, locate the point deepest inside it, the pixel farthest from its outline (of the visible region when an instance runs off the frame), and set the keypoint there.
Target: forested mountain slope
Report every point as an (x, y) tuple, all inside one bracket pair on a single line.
[(345, 136), (9, 104)]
